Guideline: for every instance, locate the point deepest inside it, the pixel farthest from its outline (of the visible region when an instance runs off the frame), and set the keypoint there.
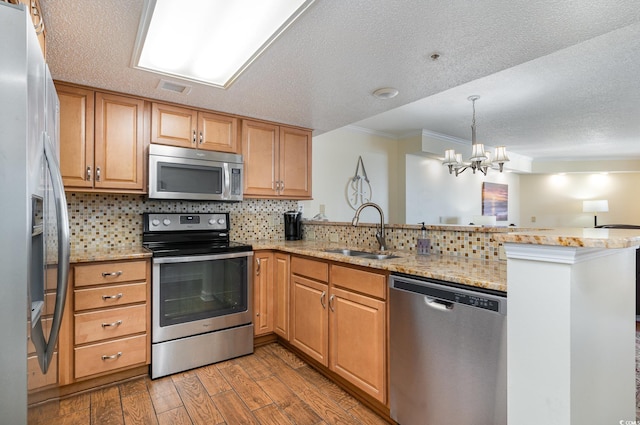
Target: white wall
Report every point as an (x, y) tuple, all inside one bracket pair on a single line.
[(335, 156), (435, 196), (556, 200)]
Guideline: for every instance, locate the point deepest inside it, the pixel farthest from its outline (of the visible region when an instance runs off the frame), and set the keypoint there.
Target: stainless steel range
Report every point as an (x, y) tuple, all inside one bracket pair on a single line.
[(201, 297)]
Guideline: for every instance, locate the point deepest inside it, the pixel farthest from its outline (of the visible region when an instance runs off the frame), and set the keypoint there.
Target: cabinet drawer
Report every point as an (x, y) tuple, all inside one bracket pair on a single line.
[(112, 323), (365, 282), (36, 378), (97, 274), (46, 329), (310, 268), (107, 356), (108, 296)]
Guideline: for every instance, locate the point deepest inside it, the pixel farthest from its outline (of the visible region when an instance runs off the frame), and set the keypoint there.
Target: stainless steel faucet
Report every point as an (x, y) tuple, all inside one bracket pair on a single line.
[(379, 234)]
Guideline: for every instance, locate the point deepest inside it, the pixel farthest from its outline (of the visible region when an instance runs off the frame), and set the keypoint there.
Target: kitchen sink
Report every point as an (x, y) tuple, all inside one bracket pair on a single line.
[(361, 254)]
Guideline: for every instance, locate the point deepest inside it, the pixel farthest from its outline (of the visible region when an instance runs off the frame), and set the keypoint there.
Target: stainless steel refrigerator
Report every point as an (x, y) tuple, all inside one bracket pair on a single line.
[(34, 227)]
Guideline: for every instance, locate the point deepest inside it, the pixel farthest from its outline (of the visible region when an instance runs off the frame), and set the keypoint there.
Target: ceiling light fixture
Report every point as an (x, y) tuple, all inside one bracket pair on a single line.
[(386, 93), (480, 160), (210, 41)]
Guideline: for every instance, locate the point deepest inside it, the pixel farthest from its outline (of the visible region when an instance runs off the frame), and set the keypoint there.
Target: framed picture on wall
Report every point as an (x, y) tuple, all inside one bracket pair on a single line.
[(495, 200)]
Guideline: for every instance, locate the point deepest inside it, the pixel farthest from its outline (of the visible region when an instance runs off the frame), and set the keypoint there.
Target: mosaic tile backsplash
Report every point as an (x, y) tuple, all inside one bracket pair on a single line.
[(115, 221)]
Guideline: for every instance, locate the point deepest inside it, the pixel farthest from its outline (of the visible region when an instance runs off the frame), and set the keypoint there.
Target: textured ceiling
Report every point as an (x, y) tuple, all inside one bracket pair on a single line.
[(553, 76)]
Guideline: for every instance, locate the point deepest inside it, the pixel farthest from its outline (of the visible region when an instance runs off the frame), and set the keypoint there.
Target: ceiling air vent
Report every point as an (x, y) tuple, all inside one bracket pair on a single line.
[(174, 87)]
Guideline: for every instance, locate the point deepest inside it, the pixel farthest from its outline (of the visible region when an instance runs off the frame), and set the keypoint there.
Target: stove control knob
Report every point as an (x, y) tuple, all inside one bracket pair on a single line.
[(212, 221), (155, 222), (221, 221), (166, 222)]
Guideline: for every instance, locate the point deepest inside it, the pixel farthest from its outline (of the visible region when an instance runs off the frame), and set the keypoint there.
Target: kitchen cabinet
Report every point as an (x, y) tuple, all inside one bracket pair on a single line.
[(111, 317), (102, 141), (339, 318), (277, 161), (281, 296), (263, 280), (309, 315), (358, 329), (191, 128)]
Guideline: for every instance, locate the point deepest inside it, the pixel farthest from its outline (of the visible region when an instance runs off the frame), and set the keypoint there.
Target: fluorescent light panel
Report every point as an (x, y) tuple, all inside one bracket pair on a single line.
[(210, 41)]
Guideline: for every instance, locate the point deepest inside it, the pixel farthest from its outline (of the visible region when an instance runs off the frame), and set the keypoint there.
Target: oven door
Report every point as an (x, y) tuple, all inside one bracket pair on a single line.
[(196, 294)]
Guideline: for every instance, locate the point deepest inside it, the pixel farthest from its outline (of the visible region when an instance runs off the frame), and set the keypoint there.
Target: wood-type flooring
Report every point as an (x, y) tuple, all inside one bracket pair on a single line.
[(271, 386)]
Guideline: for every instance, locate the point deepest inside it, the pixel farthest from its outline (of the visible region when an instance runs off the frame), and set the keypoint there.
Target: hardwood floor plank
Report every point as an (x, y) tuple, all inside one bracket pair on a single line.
[(106, 408), (133, 387), (254, 366), (325, 408), (366, 416), (167, 400), (212, 380), (78, 417), (197, 402), (247, 389), (42, 412), (233, 410), (74, 404), (138, 409), (288, 401), (287, 356), (161, 385), (177, 416), (328, 387), (271, 415)]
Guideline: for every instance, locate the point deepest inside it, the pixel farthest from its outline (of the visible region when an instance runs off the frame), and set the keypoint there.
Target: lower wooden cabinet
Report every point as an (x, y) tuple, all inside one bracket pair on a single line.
[(281, 296), (111, 317), (339, 318), (263, 293)]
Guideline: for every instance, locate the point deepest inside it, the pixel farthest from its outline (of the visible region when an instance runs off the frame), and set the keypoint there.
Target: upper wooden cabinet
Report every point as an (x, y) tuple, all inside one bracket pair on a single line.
[(190, 128), (277, 161), (102, 141)]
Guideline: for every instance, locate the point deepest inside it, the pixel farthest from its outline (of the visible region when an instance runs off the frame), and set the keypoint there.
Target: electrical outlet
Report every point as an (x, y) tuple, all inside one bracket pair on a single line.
[(276, 221), (333, 237), (310, 235), (321, 208), (300, 208), (533, 218)]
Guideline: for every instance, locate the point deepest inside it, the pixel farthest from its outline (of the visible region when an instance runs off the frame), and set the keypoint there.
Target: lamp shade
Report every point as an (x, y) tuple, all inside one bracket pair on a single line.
[(595, 206)]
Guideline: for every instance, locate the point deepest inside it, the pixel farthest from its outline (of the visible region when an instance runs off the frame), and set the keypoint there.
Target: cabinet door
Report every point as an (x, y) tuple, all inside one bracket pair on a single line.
[(172, 125), (119, 142), (217, 132), (260, 154), (263, 293), (281, 298), (76, 136), (358, 351), (295, 163), (309, 321)]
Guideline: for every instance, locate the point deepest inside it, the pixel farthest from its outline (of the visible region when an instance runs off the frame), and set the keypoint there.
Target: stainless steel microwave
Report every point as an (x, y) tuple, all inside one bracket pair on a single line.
[(190, 174)]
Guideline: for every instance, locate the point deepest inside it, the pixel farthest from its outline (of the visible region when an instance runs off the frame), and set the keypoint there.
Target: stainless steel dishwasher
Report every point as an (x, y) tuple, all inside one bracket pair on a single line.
[(448, 353)]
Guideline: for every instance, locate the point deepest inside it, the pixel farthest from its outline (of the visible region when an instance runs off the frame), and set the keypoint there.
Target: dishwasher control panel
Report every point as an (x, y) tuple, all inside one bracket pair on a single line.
[(447, 293)]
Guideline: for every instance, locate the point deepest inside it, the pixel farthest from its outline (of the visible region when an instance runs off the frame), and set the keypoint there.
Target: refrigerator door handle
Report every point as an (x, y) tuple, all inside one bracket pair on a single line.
[(64, 249)]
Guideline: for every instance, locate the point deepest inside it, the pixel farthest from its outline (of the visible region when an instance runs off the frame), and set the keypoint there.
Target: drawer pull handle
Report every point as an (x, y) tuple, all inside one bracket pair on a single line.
[(106, 325), (112, 297), (331, 302), (113, 356), (322, 296), (112, 274)]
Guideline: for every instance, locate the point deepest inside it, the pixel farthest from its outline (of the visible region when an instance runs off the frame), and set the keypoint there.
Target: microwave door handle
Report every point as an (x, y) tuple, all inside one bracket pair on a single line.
[(226, 193), (63, 249)]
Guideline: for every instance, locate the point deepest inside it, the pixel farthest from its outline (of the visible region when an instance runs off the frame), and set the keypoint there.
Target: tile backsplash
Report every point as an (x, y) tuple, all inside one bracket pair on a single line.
[(101, 220), (104, 221)]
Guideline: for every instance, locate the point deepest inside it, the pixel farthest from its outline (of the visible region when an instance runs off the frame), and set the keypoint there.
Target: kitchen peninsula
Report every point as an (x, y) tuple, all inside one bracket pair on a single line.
[(571, 349)]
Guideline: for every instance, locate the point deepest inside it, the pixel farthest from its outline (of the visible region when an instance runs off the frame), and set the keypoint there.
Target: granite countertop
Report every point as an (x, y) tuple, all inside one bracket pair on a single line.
[(575, 237), (466, 271), (85, 255)]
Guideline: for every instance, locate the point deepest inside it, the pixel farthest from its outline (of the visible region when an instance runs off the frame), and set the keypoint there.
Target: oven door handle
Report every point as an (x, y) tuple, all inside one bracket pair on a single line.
[(196, 258)]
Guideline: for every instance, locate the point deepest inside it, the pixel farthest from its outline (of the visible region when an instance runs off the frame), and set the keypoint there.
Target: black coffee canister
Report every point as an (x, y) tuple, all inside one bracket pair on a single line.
[(293, 225)]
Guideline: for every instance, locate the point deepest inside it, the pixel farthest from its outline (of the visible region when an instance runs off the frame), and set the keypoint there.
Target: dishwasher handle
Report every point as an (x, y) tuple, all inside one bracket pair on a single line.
[(436, 304)]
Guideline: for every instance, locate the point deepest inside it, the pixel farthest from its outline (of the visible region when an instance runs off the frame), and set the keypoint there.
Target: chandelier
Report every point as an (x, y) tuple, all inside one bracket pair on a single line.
[(480, 160)]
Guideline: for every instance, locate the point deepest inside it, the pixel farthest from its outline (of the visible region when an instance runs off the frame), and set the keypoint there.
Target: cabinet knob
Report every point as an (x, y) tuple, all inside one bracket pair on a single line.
[(258, 314), (97, 174), (194, 137), (89, 173)]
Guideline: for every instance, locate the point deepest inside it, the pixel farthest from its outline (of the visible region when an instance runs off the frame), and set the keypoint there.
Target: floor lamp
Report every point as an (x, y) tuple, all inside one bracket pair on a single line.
[(595, 207)]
